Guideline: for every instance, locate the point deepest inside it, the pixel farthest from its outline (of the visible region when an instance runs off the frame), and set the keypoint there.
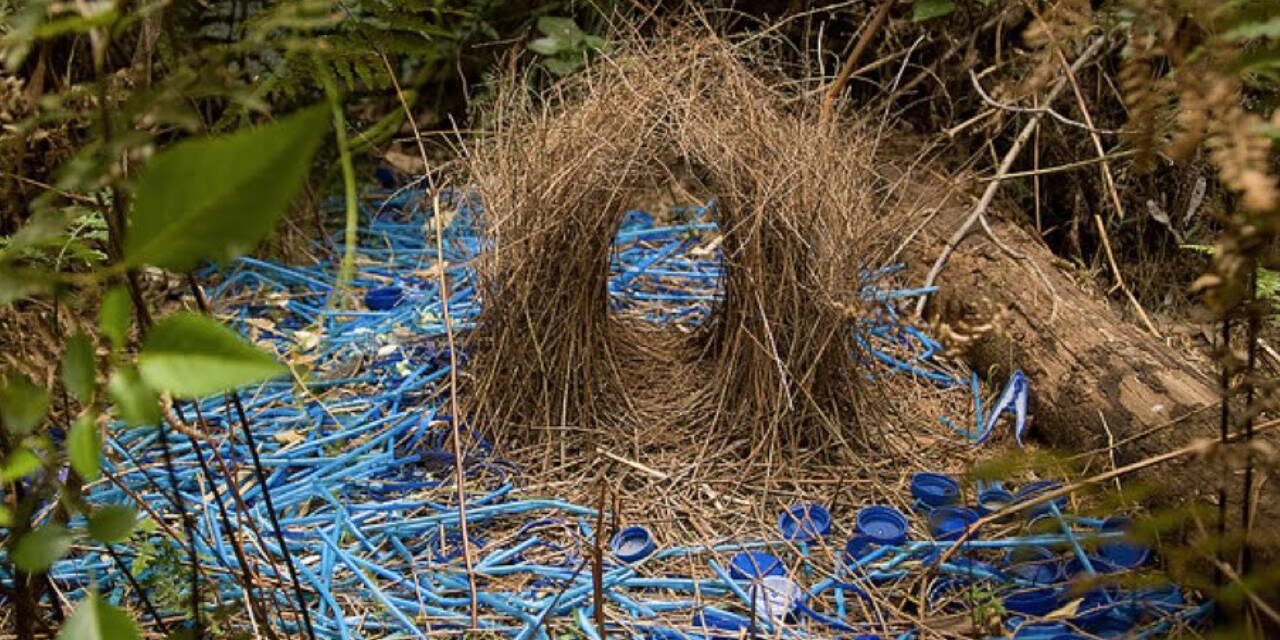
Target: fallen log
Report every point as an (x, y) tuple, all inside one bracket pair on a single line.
[(1100, 383)]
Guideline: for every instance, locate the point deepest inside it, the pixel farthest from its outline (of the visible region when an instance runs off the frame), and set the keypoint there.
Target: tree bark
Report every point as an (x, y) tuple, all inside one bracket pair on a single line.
[(1098, 381)]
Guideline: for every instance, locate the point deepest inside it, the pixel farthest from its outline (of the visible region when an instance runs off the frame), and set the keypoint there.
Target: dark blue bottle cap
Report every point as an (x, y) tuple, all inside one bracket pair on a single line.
[(804, 522), (753, 565), (1033, 602), (1106, 612), (935, 489), (950, 523), (1033, 489), (632, 543), (856, 547), (1040, 631), (883, 525), (1037, 565), (383, 298), (992, 500), (1124, 554)]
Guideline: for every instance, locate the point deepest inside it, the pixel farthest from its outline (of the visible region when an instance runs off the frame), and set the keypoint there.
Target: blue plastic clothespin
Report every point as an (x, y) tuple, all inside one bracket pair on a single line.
[(1013, 400)]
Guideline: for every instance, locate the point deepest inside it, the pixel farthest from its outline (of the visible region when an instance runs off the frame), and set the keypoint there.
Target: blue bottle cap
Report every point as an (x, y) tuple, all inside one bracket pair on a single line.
[(1037, 565), (935, 489), (992, 500), (1123, 554), (1033, 602), (1033, 489), (856, 547), (383, 298), (1106, 612), (1100, 565), (949, 523), (752, 565), (1040, 631), (632, 543), (803, 522), (883, 525)]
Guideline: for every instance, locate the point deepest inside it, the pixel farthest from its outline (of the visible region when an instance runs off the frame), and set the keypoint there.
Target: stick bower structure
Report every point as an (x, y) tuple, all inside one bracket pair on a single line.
[(795, 205)]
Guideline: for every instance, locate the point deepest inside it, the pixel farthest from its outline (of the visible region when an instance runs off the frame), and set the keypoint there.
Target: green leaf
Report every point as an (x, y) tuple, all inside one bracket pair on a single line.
[(78, 367), (84, 447), (113, 316), (135, 402), (22, 404), (38, 549), (40, 229), (923, 10), (562, 66), (563, 29), (190, 355), (6, 516), (96, 619), (112, 523), (16, 285), (1260, 29), (545, 46), (215, 198), (21, 463)]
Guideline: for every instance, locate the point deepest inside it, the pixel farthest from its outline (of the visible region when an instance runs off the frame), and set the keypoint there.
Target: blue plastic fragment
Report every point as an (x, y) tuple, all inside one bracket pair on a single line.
[(1013, 400)]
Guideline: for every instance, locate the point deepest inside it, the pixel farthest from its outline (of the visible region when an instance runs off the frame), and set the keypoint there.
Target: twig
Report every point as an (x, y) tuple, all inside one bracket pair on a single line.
[(633, 464), (989, 193), (850, 63), (1115, 270), (992, 102), (443, 285)]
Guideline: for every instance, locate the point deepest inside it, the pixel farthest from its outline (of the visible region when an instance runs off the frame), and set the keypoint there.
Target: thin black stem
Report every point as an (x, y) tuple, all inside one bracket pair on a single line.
[(137, 588), (261, 475), (1224, 425), (1246, 508), (246, 575)]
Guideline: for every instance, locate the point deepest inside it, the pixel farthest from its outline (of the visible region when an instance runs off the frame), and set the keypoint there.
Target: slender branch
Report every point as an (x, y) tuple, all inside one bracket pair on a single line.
[(989, 194), (851, 62), (443, 285)]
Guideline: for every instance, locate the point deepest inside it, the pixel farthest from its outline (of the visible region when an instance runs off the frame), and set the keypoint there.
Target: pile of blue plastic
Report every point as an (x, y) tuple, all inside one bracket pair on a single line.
[(362, 484)]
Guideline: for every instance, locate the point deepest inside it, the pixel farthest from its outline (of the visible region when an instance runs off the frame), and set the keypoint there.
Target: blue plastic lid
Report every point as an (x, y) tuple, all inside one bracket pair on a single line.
[(1106, 611), (383, 298), (950, 523), (1040, 631), (804, 522), (632, 543), (856, 546), (1038, 565), (1100, 565), (882, 524), (752, 565), (1033, 602), (992, 500), (1033, 489), (1124, 554), (935, 489)]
